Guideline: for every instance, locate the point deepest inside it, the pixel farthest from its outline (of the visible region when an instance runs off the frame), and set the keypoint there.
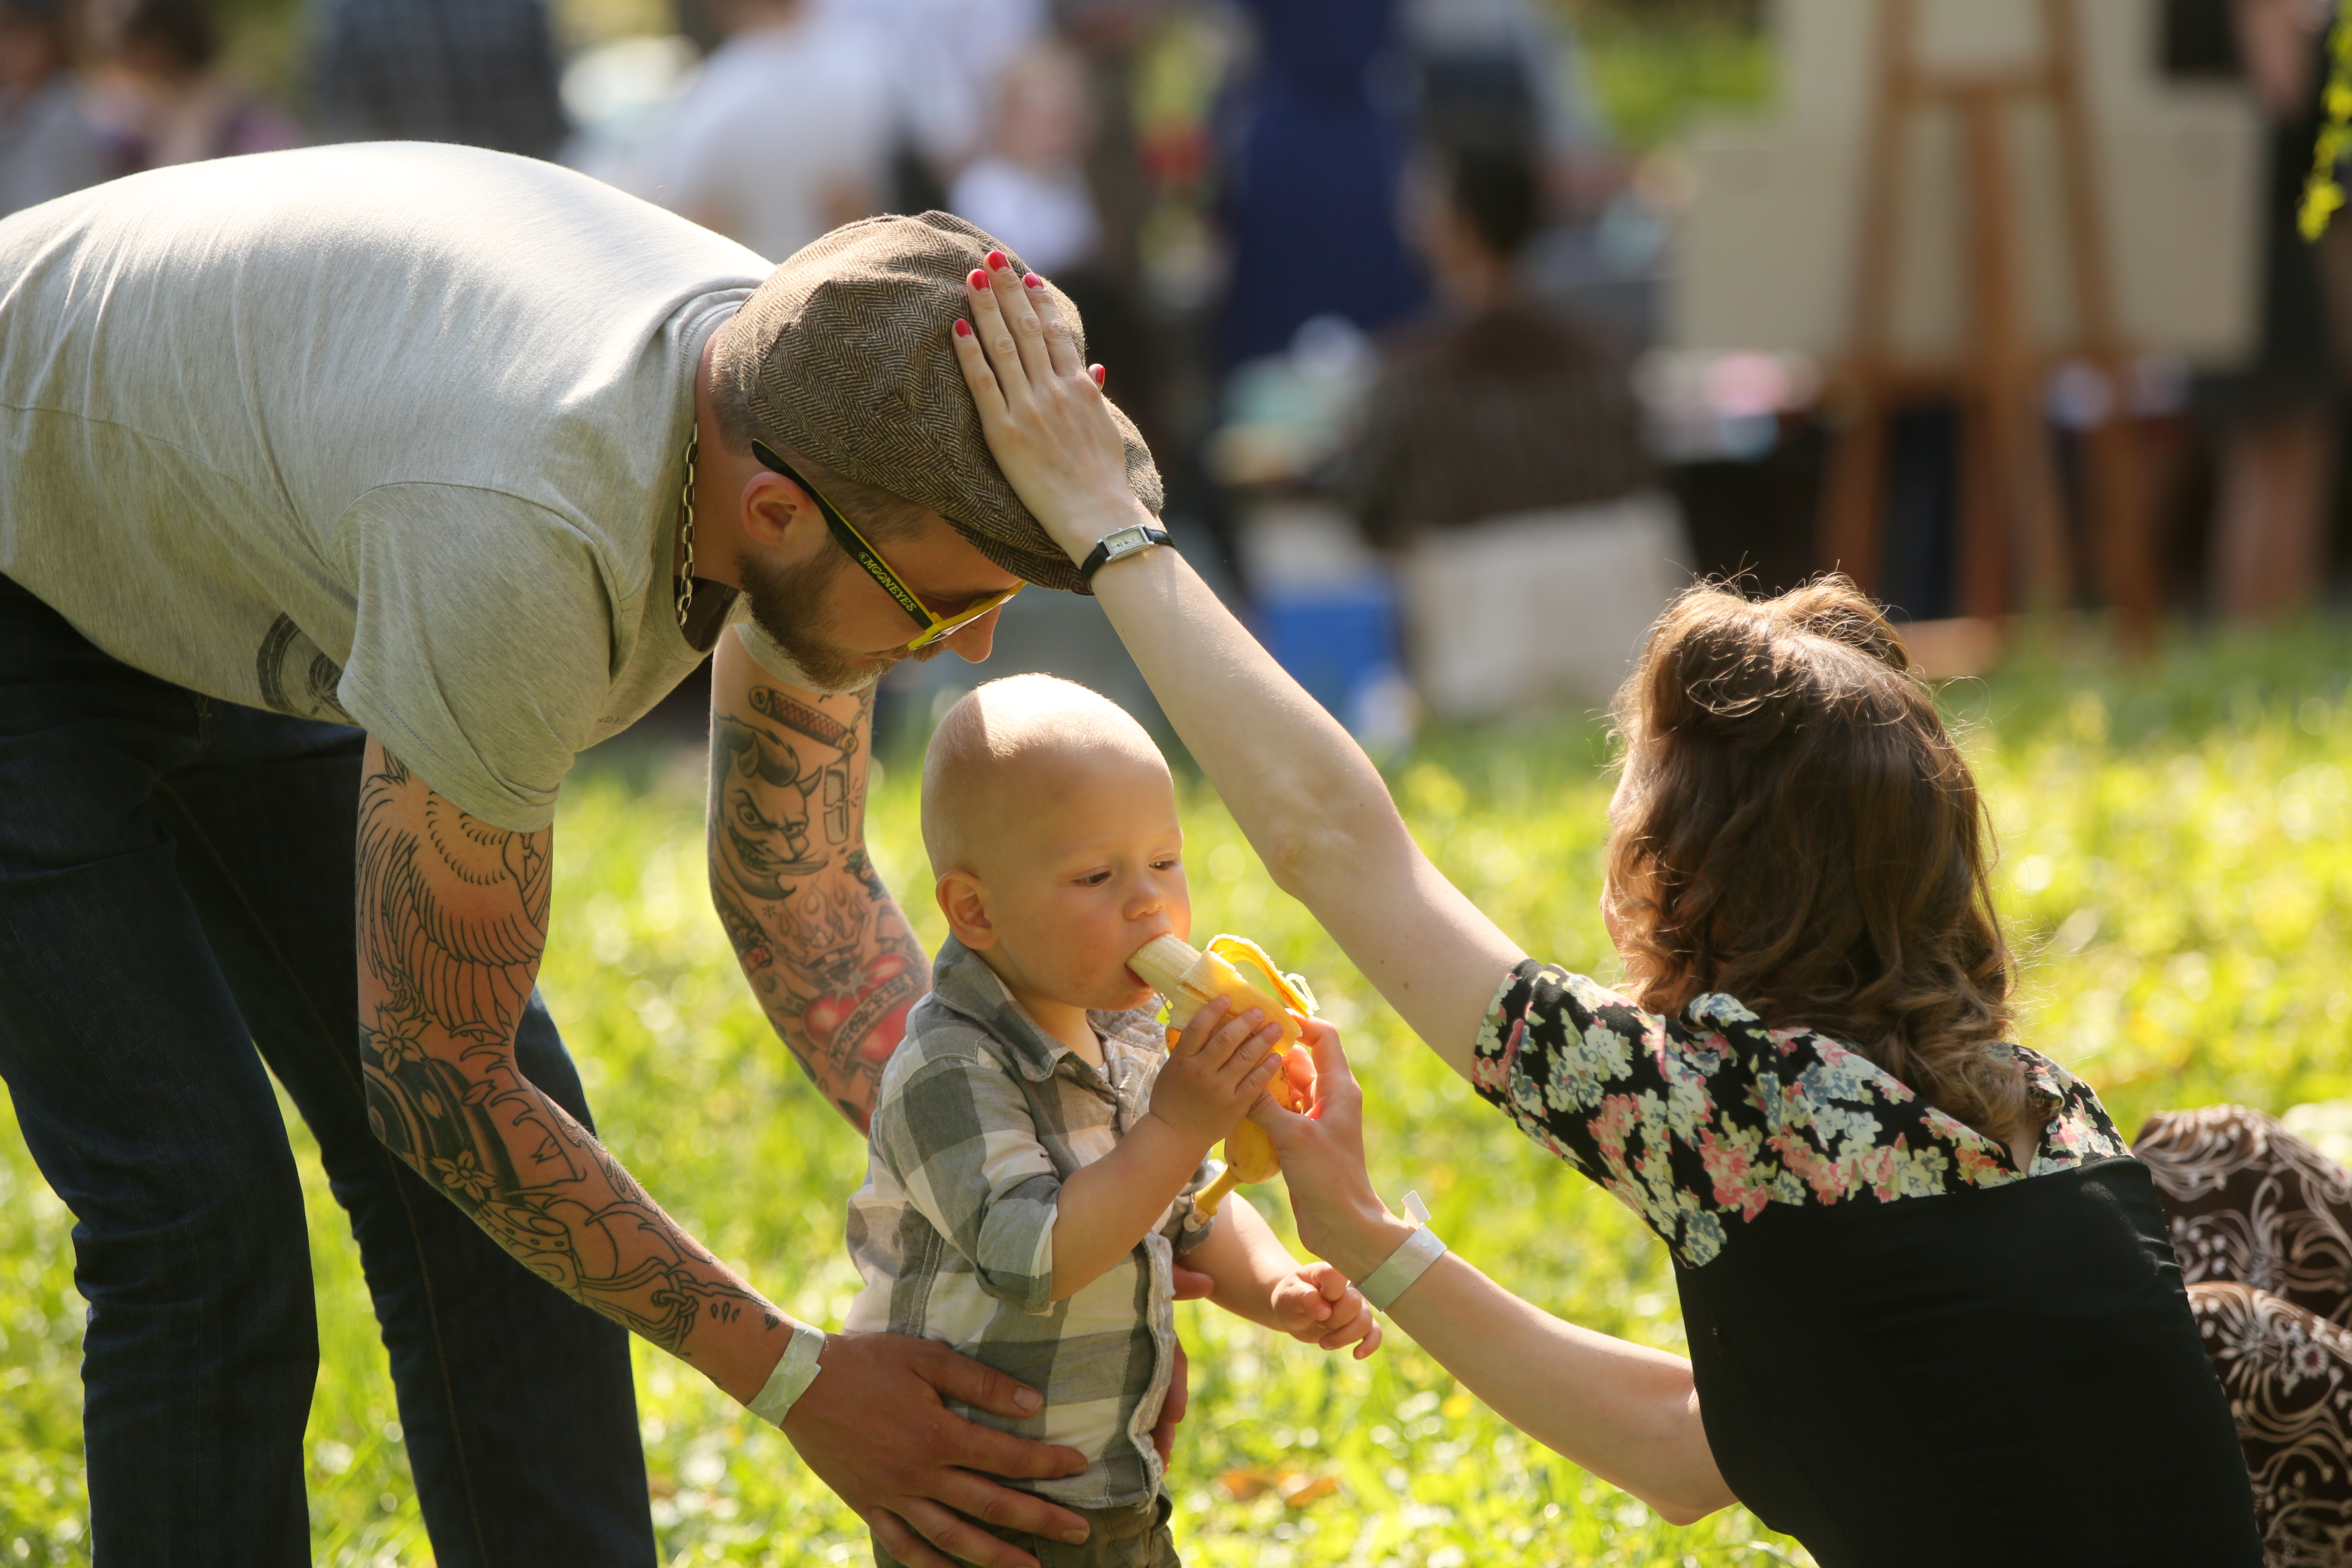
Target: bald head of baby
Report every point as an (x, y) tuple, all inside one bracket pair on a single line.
[(1051, 821), (1012, 766)]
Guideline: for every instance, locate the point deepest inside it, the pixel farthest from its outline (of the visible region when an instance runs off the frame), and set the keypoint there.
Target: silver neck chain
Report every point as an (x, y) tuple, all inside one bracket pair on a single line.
[(685, 534)]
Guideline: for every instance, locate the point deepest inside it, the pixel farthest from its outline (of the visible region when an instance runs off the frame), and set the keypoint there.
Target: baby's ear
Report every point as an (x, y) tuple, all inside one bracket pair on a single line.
[(964, 901)]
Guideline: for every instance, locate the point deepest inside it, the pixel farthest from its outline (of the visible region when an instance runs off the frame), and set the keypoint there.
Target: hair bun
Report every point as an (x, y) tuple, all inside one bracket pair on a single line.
[(1725, 673), (1833, 608)]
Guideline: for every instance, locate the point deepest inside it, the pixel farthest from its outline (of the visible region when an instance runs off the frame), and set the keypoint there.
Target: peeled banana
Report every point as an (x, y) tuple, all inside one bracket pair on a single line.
[(1189, 978)]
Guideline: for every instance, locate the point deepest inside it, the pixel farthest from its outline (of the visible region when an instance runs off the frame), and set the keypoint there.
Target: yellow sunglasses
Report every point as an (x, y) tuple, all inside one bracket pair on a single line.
[(933, 627)]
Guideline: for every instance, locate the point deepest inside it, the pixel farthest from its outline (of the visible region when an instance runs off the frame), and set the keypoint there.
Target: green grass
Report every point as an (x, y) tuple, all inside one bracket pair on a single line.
[(2177, 868)]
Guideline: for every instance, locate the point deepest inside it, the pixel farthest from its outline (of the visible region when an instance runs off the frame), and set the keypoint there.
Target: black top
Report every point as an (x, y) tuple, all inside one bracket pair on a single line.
[(1907, 1351)]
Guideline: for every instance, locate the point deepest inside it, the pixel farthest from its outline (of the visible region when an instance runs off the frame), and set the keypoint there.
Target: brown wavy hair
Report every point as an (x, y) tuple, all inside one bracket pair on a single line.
[(1796, 828)]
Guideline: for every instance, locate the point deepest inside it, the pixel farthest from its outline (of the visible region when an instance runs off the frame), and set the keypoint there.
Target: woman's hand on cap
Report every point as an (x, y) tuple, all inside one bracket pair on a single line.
[(1042, 410)]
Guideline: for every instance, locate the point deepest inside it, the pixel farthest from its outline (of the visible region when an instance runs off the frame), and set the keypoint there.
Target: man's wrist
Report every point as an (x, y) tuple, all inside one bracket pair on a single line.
[(794, 1371)]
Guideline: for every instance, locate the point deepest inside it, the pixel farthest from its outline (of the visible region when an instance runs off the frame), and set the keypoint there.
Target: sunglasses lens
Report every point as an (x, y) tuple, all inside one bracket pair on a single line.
[(948, 629)]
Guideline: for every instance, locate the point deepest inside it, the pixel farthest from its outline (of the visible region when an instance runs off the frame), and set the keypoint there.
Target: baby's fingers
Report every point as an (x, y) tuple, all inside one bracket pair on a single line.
[(1227, 1042), (1301, 1313), (1196, 1037), (1327, 1279), (1258, 1055), (1310, 1303)]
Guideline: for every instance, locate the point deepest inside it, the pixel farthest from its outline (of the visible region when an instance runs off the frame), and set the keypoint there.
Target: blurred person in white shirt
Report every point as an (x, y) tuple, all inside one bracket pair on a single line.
[(1030, 190), (48, 146), (944, 58), (785, 133)]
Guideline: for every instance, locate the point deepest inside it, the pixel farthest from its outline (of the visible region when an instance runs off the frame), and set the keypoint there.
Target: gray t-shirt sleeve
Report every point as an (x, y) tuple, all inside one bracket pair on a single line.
[(482, 652)]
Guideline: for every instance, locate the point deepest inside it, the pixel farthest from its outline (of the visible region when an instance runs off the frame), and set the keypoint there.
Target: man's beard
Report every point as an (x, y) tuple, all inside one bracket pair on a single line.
[(787, 603)]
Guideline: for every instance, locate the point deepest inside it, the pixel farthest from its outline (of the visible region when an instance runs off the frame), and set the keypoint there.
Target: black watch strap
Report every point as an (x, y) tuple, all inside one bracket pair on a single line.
[(1112, 546)]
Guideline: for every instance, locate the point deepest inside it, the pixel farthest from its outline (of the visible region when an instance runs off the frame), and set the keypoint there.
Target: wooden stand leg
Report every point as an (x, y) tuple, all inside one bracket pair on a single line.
[(2014, 447), (1983, 567), (2122, 541), (1852, 515)]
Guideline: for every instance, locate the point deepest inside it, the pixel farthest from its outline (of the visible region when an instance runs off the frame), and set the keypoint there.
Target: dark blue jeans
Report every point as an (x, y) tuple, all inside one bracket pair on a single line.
[(175, 891)]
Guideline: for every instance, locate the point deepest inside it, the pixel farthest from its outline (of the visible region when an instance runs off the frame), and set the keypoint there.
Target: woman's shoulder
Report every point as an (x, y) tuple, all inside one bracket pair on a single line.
[(1554, 1008), (2079, 1130), (1707, 1119)]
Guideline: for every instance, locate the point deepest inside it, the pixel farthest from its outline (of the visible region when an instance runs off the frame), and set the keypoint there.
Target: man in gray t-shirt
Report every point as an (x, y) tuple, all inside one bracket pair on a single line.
[(347, 495)]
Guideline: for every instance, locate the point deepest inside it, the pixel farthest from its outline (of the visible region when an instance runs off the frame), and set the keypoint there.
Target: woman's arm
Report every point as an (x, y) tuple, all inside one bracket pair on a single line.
[(1310, 801), (1624, 1412), (1628, 1413)]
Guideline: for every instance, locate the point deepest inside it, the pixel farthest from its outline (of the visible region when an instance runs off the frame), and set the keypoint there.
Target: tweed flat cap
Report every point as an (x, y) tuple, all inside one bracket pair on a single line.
[(846, 360)]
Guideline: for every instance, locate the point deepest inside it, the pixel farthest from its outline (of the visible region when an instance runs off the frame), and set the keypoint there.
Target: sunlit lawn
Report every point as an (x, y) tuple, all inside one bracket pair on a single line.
[(2177, 863)]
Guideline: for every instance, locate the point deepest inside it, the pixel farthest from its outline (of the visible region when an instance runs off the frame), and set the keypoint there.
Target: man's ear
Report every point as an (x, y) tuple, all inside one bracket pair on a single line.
[(777, 512), (964, 901)]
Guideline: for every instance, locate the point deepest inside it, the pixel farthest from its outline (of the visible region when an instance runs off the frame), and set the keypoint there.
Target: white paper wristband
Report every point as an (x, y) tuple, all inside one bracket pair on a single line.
[(795, 1370), (1408, 1263)]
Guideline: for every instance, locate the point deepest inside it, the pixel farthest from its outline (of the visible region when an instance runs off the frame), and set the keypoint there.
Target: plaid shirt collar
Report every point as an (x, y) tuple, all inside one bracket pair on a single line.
[(963, 982)]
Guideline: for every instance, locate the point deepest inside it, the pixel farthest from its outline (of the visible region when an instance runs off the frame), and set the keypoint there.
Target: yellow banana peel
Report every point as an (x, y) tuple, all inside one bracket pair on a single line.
[(1231, 967)]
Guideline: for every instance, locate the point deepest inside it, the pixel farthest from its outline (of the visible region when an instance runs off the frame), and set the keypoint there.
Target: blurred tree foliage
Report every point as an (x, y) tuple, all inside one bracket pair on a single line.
[(265, 44), (1655, 64), (269, 40)]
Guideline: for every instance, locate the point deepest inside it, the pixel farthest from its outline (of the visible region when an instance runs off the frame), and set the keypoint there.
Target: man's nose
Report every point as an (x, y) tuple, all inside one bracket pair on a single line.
[(972, 643)]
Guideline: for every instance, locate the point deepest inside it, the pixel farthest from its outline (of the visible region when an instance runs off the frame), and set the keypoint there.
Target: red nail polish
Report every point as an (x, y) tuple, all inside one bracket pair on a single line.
[(996, 261), (1032, 281), (1101, 375), (963, 328), (978, 280)]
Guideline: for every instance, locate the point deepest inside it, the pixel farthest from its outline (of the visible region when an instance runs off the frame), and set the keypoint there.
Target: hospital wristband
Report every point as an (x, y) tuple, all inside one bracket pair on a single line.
[(1408, 1263), (795, 1370)]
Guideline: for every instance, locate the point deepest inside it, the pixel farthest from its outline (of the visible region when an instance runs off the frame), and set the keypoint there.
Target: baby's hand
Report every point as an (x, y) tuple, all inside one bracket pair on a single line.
[(1215, 1072), (1317, 1305)]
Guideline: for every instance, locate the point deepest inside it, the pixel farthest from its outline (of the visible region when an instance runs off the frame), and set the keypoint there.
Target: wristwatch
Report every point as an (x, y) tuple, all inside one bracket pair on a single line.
[(1112, 546)]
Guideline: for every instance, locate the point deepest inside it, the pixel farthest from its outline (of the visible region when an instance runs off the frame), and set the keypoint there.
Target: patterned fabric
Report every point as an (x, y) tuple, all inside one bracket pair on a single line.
[(480, 72), (979, 1119), (2250, 1201), (1700, 1123), (2262, 1223)]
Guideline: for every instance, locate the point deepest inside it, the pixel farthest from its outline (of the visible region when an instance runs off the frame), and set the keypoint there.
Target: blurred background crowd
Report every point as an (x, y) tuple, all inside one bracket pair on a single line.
[(1432, 308)]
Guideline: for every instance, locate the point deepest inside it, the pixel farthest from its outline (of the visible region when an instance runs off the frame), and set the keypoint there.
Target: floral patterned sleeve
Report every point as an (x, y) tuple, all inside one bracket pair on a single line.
[(1699, 1124)]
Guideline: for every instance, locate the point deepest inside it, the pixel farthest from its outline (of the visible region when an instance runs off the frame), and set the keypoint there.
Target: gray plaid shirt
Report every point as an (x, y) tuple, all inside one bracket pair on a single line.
[(979, 1120)]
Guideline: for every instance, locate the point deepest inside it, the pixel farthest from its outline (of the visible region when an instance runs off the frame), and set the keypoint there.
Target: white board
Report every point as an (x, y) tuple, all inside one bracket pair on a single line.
[(1767, 254)]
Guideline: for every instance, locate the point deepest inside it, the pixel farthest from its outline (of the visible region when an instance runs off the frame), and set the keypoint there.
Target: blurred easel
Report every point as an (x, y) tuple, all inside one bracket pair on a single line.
[(2012, 516)]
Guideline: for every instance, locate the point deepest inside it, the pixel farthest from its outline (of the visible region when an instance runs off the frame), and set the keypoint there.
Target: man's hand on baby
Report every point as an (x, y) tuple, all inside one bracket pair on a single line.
[(1215, 1072), (1317, 1305)]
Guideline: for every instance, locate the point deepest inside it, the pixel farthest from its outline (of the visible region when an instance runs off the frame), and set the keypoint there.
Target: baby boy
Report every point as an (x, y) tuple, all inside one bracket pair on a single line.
[(1036, 1147)]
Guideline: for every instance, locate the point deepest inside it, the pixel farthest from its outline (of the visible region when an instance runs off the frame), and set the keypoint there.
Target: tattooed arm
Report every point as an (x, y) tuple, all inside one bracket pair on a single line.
[(452, 923), (825, 947)]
